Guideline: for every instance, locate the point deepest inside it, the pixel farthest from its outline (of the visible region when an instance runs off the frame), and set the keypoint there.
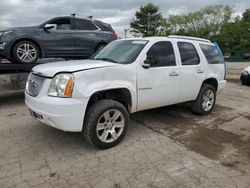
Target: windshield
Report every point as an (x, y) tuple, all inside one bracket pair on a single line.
[(121, 51)]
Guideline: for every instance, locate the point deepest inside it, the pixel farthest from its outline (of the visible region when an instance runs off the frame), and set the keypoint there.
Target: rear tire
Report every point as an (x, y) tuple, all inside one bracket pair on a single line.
[(100, 47), (205, 101), (25, 52), (105, 123)]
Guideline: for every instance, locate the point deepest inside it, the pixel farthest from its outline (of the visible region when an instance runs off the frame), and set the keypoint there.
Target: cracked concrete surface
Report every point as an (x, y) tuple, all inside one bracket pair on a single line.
[(165, 147)]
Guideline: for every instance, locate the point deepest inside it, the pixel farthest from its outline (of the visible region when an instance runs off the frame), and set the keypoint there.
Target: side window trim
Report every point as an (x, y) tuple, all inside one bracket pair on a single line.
[(198, 55)]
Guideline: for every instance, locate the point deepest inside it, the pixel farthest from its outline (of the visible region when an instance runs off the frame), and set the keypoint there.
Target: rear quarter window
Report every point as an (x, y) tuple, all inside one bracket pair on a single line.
[(211, 53), (80, 24)]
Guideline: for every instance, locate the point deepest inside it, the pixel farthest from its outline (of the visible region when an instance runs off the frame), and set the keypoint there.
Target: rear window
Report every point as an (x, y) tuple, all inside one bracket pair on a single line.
[(211, 53), (103, 26)]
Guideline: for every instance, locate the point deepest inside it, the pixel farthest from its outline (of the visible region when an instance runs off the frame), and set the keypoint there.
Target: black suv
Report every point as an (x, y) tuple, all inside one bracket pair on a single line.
[(67, 37)]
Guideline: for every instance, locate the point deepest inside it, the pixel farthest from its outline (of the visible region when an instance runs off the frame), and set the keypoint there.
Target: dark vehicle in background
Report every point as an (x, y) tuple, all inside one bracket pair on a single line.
[(245, 76), (246, 56), (64, 37)]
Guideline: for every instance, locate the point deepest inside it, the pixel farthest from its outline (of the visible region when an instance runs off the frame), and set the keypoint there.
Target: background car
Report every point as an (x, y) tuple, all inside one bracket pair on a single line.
[(245, 76), (67, 37), (246, 56)]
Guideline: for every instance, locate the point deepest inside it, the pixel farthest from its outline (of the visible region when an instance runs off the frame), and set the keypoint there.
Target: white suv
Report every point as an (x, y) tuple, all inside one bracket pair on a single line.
[(95, 96)]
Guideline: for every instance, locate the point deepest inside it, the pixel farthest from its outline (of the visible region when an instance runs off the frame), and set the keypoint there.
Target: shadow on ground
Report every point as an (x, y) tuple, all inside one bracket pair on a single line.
[(12, 98)]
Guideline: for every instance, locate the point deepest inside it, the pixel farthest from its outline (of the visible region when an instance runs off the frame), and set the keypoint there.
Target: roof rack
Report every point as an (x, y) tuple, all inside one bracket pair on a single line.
[(189, 38)]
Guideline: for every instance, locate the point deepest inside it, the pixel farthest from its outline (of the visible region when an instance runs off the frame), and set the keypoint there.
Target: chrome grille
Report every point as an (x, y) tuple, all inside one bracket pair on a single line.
[(34, 84)]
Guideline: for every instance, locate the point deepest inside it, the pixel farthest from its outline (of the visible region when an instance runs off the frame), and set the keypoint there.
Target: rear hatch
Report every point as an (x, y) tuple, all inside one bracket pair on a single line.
[(106, 27)]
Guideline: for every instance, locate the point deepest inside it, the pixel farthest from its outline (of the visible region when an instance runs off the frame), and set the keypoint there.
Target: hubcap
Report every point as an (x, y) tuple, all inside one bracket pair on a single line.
[(110, 126), (208, 100), (26, 52)]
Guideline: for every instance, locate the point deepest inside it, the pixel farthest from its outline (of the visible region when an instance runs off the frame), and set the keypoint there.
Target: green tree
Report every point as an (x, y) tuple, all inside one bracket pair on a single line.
[(234, 36), (204, 23), (246, 16), (147, 21)]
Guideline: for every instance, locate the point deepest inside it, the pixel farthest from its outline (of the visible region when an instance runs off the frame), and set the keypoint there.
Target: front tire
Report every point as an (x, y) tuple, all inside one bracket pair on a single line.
[(205, 101), (243, 81), (25, 52), (105, 124)]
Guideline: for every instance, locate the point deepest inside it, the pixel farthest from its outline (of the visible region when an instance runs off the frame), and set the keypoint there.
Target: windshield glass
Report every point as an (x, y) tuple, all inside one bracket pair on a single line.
[(121, 51)]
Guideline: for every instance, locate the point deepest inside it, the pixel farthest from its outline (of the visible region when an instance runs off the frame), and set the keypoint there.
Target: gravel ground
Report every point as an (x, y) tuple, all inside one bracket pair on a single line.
[(164, 147)]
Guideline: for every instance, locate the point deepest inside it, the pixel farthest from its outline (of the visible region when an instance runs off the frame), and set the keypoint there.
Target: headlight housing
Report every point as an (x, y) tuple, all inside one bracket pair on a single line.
[(62, 85)]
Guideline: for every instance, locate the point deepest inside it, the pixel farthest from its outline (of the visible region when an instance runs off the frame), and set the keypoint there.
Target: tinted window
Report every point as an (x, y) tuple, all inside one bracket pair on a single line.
[(80, 24), (189, 55), (164, 54), (60, 24), (103, 26), (211, 53)]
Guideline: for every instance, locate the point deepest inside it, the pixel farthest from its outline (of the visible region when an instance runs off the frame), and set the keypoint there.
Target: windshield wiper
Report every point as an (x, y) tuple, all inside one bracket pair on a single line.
[(107, 59)]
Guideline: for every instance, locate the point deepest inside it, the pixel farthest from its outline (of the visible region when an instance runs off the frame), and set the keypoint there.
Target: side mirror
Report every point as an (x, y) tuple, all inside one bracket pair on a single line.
[(48, 27), (150, 60)]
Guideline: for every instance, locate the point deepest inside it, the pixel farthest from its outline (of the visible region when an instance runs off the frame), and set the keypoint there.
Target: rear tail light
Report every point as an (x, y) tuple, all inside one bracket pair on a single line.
[(114, 35), (225, 73), (222, 58)]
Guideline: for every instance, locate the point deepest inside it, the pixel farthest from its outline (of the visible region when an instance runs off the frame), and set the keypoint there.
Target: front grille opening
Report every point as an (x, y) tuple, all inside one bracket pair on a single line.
[(34, 84)]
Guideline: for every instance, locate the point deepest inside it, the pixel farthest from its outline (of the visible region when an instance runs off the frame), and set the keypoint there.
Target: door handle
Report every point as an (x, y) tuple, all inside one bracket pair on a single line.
[(174, 74), (200, 71)]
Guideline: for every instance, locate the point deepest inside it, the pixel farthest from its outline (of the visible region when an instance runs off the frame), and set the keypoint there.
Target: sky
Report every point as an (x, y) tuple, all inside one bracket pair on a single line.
[(118, 13)]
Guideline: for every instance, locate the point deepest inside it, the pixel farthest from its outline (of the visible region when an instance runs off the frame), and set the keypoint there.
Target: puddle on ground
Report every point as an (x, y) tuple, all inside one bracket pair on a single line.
[(200, 134)]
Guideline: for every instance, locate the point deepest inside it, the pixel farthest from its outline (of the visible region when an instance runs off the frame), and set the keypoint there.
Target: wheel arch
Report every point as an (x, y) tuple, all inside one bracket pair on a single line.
[(211, 81), (100, 43), (122, 95)]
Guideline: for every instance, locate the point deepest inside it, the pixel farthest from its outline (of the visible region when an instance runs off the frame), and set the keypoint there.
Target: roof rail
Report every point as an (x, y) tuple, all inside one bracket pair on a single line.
[(189, 38)]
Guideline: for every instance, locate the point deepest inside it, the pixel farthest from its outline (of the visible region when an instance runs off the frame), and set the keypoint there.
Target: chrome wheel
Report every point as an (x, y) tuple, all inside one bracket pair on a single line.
[(26, 52), (110, 126), (208, 100)]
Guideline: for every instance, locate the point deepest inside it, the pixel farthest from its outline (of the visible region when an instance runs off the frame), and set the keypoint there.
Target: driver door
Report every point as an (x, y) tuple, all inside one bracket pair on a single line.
[(159, 85), (59, 40)]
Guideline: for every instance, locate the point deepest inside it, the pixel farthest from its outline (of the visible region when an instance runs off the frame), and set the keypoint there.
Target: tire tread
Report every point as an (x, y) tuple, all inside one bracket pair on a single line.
[(91, 117)]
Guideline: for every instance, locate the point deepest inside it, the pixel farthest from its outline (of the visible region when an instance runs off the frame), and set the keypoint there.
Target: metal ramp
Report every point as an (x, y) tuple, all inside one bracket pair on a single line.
[(12, 68)]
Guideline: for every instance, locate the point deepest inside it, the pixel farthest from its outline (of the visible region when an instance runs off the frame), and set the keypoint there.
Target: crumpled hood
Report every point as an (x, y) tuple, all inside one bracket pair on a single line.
[(50, 69)]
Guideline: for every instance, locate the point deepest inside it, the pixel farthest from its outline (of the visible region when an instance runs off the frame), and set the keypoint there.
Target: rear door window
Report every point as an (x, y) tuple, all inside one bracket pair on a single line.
[(211, 53), (189, 55)]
